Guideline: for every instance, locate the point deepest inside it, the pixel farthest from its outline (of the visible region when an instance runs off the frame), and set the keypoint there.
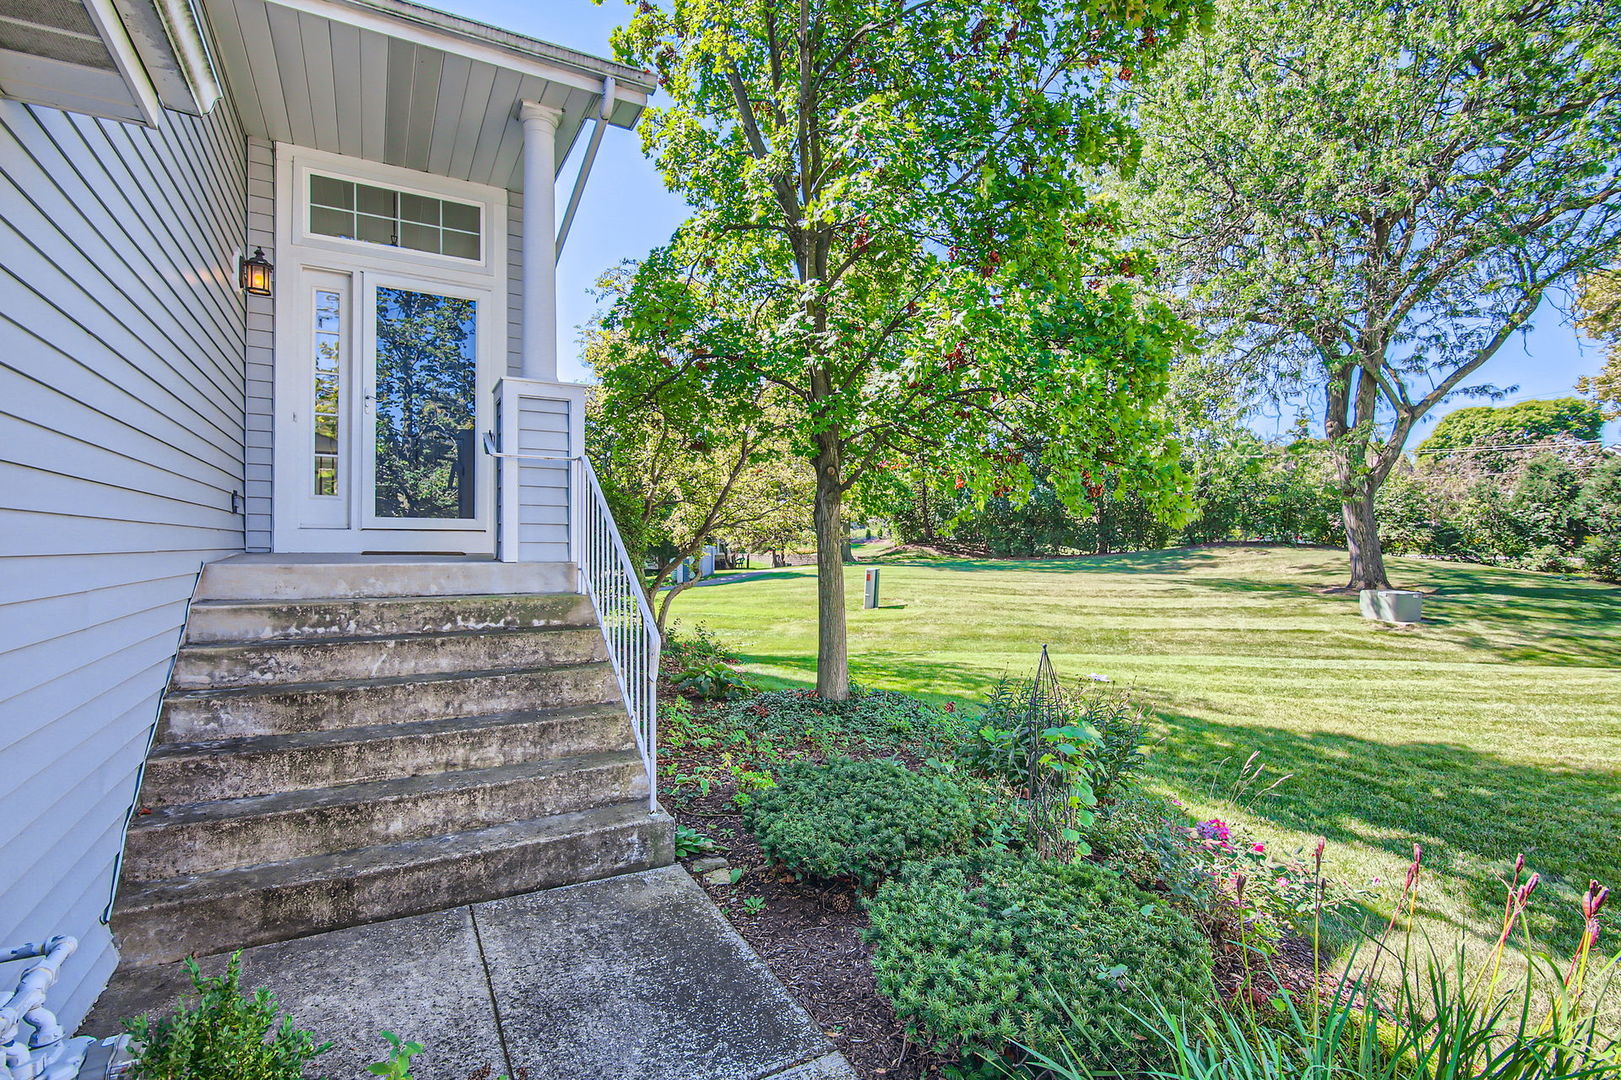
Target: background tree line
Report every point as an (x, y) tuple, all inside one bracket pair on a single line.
[(1526, 485)]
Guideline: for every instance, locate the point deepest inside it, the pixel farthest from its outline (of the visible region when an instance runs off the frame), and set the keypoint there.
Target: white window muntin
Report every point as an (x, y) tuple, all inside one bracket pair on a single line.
[(490, 203)]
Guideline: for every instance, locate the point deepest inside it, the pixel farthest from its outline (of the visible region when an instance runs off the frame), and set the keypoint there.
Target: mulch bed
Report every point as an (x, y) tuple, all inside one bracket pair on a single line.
[(1289, 970), (809, 933)]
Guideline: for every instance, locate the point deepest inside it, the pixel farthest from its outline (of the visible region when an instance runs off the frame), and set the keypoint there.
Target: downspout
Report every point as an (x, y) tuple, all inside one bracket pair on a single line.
[(608, 87)]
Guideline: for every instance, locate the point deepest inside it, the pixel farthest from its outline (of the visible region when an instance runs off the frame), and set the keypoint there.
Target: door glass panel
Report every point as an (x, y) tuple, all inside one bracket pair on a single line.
[(328, 376), (426, 381)]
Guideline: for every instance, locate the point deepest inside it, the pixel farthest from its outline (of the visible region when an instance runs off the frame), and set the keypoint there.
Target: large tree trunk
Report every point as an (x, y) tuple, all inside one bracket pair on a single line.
[(1362, 542), (832, 648)]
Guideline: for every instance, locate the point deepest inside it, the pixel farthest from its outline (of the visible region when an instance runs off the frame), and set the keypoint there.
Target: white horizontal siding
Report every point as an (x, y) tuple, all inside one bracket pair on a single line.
[(122, 441), (543, 497)]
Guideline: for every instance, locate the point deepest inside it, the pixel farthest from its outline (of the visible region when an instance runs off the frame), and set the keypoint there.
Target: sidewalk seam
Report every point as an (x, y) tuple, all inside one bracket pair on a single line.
[(489, 988)]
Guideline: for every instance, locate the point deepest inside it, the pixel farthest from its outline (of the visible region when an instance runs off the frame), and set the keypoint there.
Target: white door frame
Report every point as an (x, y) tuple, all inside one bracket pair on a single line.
[(302, 261)]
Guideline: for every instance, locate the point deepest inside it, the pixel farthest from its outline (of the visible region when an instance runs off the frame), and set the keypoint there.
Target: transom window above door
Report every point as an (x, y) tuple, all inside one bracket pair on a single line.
[(380, 215)]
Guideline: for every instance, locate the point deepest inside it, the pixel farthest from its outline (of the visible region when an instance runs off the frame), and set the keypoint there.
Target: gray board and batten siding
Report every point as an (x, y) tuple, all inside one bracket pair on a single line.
[(122, 382)]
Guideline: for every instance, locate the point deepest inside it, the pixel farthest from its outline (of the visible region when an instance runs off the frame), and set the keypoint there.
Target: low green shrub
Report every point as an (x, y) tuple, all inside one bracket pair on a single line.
[(857, 819), (986, 955), (1099, 736), (1122, 750), (223, 1036), (1602, 557), (875, 716), (697, 647)]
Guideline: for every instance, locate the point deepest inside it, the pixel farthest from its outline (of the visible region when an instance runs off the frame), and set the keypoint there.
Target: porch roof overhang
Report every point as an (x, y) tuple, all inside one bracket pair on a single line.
[(402, 84)]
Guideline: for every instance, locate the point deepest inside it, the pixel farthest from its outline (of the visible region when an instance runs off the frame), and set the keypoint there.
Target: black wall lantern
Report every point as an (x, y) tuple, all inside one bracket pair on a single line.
[(254, 273)]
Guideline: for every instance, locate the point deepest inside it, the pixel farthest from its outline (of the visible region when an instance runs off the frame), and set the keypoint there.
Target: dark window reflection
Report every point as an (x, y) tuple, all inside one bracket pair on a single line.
[(426, 381)]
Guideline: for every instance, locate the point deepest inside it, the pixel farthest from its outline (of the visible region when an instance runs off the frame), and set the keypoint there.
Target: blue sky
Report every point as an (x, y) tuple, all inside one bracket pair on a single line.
[(626, 210)]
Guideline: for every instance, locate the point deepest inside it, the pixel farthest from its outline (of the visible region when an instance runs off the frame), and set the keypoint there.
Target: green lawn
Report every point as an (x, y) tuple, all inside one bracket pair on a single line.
[(1492, 729)]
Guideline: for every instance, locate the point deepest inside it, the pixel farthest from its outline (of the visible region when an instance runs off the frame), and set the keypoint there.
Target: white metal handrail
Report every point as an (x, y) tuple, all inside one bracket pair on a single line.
[(609, 578)]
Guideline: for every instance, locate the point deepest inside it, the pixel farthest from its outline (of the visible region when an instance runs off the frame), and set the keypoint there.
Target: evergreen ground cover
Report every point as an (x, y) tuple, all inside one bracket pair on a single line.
[(1492, 729)]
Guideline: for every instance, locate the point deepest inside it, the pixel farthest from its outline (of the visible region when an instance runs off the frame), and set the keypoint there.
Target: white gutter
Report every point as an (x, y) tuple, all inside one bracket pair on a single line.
[(185, 30), (169, 37)]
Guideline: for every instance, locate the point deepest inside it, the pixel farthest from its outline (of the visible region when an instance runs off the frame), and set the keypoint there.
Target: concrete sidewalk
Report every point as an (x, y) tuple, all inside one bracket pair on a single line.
[(636, 977)]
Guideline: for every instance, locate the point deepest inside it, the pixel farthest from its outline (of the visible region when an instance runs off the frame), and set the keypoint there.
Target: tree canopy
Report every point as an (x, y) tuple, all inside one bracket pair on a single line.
[(1600, 306), (680, 473), (894, 241), (1486, 426), (1363, 202)]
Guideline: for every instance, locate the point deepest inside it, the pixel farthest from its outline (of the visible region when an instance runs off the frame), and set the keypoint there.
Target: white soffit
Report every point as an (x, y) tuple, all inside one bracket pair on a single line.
[(405, 85), (75, 55)]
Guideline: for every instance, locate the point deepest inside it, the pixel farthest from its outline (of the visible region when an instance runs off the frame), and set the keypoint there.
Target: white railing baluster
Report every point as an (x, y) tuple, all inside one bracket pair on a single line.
[(628, 625), (614, 586)]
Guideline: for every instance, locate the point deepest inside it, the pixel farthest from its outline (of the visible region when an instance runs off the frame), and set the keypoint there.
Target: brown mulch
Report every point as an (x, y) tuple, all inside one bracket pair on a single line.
[(1289, 969)]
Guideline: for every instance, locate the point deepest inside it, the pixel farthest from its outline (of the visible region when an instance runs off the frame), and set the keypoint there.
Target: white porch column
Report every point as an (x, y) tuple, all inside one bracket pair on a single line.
[(539, 240)]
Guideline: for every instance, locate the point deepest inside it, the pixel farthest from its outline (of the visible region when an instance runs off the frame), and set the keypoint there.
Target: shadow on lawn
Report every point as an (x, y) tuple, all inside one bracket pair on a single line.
[(741, 577), (1472, 811), (1579, 619), (1481, 607)]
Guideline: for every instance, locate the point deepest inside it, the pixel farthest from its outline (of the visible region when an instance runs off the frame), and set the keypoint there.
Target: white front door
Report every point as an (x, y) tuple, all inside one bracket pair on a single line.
[(380, 406), (390, 336)]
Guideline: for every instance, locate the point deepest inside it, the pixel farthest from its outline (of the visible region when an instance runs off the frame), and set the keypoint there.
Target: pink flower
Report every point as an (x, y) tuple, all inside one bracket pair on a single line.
[(1214, 829), (1258, 848)]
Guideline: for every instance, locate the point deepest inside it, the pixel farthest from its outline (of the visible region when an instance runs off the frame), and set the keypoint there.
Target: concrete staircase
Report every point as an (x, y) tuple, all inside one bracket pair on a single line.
[(352, 740)]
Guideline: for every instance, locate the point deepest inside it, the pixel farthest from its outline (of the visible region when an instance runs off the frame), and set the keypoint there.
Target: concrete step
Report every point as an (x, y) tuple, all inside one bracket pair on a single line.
[(196, 715), (265, 764), (215, 621), (224, 666), (162, 921), (309, 577), (200, 838)]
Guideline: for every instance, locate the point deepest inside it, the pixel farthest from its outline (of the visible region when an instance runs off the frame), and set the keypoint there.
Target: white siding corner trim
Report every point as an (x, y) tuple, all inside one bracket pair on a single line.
[(122, 449), (261, 353)]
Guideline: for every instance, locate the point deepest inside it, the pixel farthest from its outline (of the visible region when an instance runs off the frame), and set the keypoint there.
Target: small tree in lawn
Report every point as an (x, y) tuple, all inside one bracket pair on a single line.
[(1545, 511), (679, 472), (1601, 516), (893, 236), (1367, 201)]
